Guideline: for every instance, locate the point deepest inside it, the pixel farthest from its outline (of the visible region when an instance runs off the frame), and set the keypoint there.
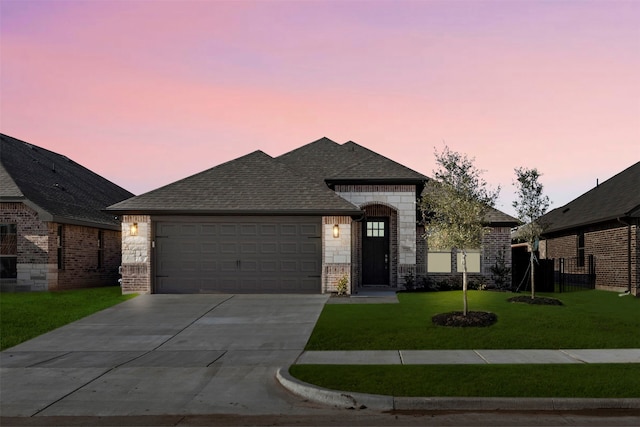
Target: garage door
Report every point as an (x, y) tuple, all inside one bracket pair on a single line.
[(239, 255)]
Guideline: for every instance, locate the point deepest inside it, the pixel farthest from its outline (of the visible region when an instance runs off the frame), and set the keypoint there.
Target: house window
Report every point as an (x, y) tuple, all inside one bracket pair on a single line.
[(60, 244), (473, 261), (100, 248), (439, 261), (8, 251), (580, 249), (375, 229)]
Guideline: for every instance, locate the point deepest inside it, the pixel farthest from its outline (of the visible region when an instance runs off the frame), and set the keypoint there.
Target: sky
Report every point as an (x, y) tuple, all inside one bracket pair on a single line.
[(148, 92)]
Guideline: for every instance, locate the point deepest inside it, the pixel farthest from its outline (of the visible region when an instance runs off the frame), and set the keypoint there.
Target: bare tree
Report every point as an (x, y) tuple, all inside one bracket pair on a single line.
[(530, 206), (454, 207)]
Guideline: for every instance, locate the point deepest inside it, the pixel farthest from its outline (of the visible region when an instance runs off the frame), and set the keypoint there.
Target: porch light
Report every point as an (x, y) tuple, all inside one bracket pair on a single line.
[(133, 230), (336, 231)]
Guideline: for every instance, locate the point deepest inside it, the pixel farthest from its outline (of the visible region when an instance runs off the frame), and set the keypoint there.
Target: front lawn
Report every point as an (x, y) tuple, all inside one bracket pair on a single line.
[(588, 319), (25, 315), (579, 380)]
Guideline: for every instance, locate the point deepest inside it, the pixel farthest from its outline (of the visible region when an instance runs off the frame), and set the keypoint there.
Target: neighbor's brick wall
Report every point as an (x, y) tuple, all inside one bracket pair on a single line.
[(608, 244), (34, 271), (80, 256), (37, 258), (136, 255)]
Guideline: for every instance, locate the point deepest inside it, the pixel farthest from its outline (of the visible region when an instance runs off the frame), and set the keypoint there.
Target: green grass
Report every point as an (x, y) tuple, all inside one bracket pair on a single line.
[(25, 315), (588, 319), (586, 381)]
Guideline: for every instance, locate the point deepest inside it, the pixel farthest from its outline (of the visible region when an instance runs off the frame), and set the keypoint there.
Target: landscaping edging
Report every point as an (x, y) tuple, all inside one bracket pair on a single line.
[(349, 400)]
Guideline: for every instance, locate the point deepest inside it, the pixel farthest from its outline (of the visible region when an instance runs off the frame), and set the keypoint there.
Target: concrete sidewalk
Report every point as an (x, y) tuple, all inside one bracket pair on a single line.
[(456, 357)]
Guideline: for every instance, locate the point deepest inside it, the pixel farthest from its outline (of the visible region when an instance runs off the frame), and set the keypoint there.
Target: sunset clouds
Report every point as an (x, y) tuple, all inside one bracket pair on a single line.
[(145, 93)]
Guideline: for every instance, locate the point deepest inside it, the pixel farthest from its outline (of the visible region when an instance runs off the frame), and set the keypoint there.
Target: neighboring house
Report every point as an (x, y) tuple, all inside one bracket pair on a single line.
[(296, 223), (54, 233), (602, 226)]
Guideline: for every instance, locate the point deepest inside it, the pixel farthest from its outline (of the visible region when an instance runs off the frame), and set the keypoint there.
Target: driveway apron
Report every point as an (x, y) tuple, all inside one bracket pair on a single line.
[(164, 354)]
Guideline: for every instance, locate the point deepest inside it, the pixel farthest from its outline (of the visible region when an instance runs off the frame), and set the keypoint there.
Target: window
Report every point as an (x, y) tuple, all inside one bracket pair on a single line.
[(375, 229), (60, 246), (100, 248), (8, 251), (580, 251), (473, 261), (439, 261)]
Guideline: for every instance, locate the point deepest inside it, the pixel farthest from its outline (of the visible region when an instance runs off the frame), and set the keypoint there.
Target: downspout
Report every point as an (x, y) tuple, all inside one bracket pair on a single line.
[(621, 221)]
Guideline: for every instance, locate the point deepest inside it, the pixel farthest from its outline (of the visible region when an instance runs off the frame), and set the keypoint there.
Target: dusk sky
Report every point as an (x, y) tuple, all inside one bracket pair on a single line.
[(148, 92)]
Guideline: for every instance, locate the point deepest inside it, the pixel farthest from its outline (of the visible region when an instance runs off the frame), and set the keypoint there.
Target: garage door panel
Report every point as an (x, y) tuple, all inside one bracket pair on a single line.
[(239, 254), (288, 248)]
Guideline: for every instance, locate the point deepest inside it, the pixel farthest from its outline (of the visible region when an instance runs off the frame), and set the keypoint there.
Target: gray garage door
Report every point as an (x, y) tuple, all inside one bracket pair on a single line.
[(239, 255)]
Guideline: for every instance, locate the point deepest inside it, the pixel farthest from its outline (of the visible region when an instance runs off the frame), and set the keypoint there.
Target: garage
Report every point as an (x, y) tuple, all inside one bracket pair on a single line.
[(231, 254)]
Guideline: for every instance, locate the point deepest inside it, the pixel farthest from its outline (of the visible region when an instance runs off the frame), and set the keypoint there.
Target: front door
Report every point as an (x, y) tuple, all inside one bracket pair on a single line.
[(375, 251)]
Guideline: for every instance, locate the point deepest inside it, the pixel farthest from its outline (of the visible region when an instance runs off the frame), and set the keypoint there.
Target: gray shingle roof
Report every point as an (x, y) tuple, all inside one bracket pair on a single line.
[(253, 184), (617, 197), (329, 161), (59, 188)]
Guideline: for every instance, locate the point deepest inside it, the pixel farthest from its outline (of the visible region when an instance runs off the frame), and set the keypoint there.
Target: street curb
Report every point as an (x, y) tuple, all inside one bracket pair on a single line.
[(350, 400)]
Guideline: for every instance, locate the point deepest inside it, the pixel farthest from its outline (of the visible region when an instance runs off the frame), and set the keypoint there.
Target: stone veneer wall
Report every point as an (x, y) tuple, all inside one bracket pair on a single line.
[(34, 270), (136, 255), (402, 198), (336, 252)]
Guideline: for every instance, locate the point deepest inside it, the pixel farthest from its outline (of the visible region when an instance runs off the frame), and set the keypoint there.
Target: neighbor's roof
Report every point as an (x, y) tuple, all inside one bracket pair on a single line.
[(329, 161), (617, 197), (55, 186), (255, 184)]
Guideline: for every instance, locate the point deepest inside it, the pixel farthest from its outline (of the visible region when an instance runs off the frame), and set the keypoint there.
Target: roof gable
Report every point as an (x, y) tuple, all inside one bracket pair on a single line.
[(329, 161), (617, 197), (253, 184), (56, 185)]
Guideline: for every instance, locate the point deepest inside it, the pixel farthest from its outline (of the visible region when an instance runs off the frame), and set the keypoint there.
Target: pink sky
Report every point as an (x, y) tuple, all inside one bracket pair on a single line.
[(145, 93)]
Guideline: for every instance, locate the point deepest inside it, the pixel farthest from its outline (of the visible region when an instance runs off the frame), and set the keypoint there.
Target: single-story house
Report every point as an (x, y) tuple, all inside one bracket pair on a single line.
[(54, 233), (600, 226), (296, 223)]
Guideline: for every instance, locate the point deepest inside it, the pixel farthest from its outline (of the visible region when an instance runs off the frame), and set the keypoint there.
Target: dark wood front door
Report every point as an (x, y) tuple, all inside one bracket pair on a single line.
[(375, 251)]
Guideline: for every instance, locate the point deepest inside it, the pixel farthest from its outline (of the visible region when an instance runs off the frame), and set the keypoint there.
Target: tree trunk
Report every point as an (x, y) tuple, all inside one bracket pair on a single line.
[(464, 282), (533, 284)]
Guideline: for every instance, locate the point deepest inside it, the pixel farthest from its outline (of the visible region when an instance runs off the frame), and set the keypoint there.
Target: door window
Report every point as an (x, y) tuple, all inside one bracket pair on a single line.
[(375, 229)]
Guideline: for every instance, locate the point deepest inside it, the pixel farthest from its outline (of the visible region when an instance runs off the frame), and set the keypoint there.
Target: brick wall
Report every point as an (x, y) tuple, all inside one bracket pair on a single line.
[(609, 245), (80, 252), (37, 257), (497, 239)]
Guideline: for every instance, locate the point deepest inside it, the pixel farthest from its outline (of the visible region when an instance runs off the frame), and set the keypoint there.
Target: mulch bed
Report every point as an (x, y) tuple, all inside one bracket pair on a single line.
[(458, 319), (537, 300)]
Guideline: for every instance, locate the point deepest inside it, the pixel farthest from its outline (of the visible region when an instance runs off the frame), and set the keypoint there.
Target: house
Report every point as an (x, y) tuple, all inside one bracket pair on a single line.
[(53, 230), (291, 224), (599, 231)]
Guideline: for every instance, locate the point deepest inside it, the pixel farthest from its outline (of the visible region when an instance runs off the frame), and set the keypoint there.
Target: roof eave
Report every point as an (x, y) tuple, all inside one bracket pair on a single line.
[(238, 212), (552, 230)]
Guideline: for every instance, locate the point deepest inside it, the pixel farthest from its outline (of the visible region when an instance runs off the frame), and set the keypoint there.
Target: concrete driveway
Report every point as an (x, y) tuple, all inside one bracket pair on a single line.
[(164, 354)]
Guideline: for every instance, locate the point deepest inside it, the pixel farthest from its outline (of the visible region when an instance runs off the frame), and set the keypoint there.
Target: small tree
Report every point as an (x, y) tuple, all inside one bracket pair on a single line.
[(530, 206), (454, 207)]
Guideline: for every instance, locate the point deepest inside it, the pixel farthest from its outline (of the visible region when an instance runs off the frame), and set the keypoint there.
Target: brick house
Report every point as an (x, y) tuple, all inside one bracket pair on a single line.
[(53, 230), (293, 224), (602, 225)]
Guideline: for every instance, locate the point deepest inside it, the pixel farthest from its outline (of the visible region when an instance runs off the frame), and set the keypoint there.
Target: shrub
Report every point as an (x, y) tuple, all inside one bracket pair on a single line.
[(342, 285)]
